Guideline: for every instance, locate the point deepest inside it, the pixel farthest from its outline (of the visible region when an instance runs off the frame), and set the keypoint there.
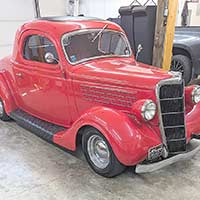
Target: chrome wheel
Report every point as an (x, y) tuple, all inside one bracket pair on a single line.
[(98, 151), (184, 65), (1, 109), (177, 66), (99, 154)]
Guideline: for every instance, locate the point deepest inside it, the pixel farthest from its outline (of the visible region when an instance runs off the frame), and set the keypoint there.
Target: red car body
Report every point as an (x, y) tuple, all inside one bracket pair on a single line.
[(105, 93)]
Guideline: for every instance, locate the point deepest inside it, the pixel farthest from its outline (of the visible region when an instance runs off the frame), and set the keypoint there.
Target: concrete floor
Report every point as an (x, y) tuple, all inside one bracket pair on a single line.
[(32, 169)]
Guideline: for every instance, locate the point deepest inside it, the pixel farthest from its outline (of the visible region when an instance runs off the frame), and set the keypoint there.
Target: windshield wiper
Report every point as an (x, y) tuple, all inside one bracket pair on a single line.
[(100, 32)]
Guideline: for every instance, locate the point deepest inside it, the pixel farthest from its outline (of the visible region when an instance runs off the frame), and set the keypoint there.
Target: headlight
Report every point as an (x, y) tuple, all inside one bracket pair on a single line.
[(148, 110), (196, 95)]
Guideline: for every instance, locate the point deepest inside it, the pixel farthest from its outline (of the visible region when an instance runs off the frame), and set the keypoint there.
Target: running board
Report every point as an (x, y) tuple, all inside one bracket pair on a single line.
[(39, 127)]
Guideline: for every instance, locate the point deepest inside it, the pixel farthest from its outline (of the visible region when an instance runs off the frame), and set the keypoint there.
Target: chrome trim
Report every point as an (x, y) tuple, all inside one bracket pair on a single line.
[(193, 93), (174, 80), (144, 107), (98, 151), (175, 74), (96, 57), (146, 168), (1, 109)]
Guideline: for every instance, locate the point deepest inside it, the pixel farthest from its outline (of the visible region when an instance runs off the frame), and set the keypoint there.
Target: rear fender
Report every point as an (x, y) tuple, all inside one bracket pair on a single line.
[(5, 94), (129, 140)]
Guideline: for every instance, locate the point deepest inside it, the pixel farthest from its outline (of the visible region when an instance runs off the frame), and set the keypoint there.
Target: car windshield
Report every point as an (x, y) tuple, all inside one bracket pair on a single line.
[(85, 45)]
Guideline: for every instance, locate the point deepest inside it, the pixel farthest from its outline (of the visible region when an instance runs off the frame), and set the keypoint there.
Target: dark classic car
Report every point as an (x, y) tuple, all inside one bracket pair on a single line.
[(74, 81)]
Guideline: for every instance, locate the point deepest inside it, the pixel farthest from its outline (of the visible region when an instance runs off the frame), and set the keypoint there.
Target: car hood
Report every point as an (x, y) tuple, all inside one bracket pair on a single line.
[(121, 72)]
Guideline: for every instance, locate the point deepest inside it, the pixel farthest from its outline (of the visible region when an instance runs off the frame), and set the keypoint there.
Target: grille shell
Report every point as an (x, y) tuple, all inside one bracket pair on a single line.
[(170, 94)]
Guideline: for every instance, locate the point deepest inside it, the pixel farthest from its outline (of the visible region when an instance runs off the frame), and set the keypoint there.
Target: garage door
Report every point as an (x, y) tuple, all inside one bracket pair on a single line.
[(12, 15)]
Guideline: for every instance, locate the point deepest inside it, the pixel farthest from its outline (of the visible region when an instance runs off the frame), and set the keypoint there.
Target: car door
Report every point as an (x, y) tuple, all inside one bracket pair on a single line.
[(42, 89)]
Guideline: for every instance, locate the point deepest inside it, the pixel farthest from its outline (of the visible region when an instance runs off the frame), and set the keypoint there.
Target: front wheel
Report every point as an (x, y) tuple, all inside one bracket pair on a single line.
[(182, 64), (3, 114), (99, 154)]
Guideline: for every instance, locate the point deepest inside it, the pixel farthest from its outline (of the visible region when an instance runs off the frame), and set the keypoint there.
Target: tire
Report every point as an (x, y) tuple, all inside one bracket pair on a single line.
[(109, 166), (182, 64), (3, 114)]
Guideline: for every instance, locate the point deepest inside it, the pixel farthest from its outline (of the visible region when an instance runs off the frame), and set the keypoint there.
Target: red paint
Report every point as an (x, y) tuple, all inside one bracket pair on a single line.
[(105, 93)]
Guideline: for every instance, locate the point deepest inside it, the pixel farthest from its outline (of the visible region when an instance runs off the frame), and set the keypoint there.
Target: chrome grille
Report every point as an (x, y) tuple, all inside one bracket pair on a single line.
[(170, 94)]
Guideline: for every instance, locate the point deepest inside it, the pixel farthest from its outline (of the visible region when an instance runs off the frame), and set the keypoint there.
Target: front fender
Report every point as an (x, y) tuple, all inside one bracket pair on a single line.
[(129, 140), (193, 121)]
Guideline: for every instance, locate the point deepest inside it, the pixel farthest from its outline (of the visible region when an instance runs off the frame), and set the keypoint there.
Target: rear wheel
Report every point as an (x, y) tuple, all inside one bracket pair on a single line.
[(3, 114), (99, 154), (182, 64)]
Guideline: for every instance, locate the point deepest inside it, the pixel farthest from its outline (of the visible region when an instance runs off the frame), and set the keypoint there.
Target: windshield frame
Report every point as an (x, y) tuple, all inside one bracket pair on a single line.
[(79, 32)]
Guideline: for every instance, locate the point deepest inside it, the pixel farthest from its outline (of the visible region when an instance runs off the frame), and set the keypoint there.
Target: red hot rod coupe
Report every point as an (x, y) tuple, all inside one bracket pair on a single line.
[(74, 80)]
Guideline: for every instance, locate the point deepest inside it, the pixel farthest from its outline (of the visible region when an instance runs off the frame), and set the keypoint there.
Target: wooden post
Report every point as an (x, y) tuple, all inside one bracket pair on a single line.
[(159, 34), (169, 36)]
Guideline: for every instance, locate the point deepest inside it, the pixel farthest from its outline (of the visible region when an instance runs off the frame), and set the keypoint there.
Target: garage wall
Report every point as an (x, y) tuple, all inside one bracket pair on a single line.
[(109, 8), (12, 15), (53, 8), (181, 6), (194, 9), (104, 8)]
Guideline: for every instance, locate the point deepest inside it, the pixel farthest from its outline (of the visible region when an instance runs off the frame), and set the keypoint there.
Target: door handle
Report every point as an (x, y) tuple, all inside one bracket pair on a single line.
[(19, 74)]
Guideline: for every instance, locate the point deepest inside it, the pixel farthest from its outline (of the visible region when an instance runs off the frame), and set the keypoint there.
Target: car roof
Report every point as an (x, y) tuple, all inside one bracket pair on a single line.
[(63, 24), (69, 18)]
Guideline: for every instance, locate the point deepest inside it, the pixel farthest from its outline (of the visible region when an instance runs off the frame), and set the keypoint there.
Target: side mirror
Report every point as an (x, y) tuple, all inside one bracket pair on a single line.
[(139, 50), (49, 58)]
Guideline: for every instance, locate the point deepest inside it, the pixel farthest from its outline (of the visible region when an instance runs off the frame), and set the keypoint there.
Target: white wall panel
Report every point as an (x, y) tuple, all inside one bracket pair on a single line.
[(13, 13), (8, 31), (195, 14), (5, 50), (104, 8), (16, 10), (181, 5), (53, 8)]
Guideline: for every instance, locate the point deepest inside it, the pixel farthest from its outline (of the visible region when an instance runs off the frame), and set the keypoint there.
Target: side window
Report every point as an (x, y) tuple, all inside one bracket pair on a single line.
[(36, 46)]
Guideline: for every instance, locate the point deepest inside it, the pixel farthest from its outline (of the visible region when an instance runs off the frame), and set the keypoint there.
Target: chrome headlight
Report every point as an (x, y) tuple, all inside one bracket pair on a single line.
[(148, 110), (196, 95)]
